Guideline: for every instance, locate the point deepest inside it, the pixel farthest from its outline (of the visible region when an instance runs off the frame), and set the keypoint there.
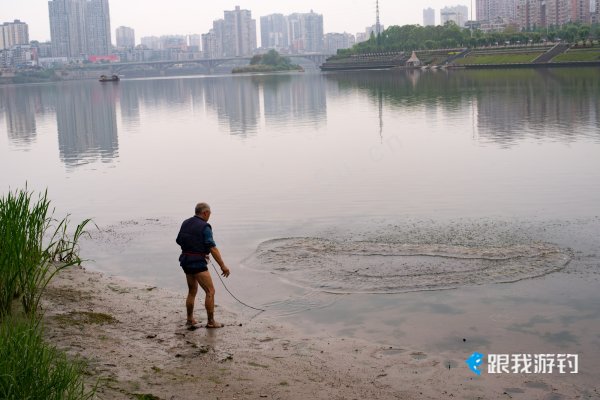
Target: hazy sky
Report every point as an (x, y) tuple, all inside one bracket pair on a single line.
[(162, 17)]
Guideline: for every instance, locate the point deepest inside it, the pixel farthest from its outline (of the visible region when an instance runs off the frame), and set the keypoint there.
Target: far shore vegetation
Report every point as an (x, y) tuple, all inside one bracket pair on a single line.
[(30, 75), (272, 61), (450, 35), (34, 246), (455, 46)]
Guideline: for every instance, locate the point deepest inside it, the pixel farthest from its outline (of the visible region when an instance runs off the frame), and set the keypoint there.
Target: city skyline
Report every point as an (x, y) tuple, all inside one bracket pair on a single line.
[(147, 18)]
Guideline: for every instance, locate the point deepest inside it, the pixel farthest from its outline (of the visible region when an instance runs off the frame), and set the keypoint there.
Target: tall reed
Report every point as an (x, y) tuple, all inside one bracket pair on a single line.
[(33, 247)]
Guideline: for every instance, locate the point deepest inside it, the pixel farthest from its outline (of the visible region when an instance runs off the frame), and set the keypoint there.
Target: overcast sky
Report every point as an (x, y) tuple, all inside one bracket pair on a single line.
[(164, 17)]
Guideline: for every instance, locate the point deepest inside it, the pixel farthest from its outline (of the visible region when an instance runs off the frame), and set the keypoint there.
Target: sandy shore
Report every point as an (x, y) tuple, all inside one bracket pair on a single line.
[(135, 341)]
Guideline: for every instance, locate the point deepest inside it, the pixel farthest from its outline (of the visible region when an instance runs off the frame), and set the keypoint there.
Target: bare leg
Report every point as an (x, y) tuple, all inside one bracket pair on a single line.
[(191, 297), (205, 282)]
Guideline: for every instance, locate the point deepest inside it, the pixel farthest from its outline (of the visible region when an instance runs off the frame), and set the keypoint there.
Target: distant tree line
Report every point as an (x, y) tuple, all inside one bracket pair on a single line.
[(416, 37)]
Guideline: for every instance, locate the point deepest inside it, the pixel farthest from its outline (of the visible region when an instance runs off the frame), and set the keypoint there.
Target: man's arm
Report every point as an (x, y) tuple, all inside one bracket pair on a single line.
[(214, 251)]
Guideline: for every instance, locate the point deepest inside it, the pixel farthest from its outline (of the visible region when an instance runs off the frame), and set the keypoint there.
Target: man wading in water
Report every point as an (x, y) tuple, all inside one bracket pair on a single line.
[(196, 241)]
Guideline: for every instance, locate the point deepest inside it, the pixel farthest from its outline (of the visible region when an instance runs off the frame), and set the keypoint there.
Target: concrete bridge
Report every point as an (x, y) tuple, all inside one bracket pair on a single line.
[(209, 63)]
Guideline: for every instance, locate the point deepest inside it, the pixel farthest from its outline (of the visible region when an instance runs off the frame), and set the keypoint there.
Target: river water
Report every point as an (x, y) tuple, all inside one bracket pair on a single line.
[(400, 207)]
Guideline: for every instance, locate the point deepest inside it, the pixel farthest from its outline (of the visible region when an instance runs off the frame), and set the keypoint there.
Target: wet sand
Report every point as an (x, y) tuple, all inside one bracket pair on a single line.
[(134, 339)]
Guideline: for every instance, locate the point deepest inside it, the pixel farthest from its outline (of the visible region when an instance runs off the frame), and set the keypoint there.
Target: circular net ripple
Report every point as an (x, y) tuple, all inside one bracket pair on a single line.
[(370, 267)]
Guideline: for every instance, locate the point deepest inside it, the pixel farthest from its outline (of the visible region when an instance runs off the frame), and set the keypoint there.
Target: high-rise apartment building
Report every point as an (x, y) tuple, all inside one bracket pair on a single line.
[(531, 14), (492, 10), (67, 27), (125, 37), (79, 27), (295, 33), (335, 41), (97, 27), (274, 32), (482, 10), (306, 32), (209, 44), (457, 14), (313, 32), (212, 42), (240, 33), (541, 13), (428, 17), (13, 34), (554, 12), (580, 11)]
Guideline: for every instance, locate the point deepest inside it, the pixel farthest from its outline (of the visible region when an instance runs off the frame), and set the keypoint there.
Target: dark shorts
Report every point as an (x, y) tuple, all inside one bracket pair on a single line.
[(194, 268)]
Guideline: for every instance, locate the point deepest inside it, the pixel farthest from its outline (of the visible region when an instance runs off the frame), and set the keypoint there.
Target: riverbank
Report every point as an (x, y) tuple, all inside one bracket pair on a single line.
[(135, 342), (558, 55), (49, 75)]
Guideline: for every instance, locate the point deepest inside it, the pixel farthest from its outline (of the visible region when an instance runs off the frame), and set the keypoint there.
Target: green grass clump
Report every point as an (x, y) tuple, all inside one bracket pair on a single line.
[(30, 369), (33, 247)]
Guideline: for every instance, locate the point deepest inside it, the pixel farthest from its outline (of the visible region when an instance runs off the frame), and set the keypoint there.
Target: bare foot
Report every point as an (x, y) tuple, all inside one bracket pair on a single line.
[(191, 323), (214, 325)]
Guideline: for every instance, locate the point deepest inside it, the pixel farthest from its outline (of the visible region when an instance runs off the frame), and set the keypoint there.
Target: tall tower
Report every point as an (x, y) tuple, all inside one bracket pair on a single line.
[(377, 24)]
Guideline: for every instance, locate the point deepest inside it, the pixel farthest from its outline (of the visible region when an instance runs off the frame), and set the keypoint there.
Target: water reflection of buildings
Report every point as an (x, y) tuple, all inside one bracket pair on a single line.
[(129, 102), (20, 107), (87, 123), (511, 105), (294, 99), (236, 102)]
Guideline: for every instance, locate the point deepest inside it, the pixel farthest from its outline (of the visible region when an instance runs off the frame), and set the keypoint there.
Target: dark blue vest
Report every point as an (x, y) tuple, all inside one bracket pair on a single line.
[(191, 240)]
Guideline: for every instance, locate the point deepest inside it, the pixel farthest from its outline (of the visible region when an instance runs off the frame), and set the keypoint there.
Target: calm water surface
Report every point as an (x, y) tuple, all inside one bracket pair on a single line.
[(461, 158)]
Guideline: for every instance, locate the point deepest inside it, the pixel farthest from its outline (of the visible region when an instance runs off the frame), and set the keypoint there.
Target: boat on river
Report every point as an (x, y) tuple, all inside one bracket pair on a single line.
[(112, 78)]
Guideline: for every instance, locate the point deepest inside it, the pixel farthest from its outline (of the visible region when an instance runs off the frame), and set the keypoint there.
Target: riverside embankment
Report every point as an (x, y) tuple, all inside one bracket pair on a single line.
[(558, 55)]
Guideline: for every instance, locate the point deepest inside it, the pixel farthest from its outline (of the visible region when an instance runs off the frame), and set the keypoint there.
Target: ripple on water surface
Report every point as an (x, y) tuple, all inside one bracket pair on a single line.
[(376, 267)]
